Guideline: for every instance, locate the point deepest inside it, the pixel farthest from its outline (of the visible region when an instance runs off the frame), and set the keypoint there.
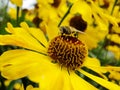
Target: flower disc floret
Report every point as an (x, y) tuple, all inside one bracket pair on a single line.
[(68, 51)]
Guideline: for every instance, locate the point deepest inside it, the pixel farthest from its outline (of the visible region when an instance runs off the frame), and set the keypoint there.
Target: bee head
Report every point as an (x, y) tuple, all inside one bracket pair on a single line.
[(65, 30)]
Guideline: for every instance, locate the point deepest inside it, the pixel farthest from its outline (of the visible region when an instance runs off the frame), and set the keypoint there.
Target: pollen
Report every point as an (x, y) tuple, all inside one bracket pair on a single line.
[(67, 51)]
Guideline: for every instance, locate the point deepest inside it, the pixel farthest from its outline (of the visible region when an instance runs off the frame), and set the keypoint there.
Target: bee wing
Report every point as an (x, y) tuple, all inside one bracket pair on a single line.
[(78, 31)]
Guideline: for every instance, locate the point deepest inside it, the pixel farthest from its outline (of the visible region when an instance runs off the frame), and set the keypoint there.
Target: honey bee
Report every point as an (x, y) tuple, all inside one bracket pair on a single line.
[(70, 31)]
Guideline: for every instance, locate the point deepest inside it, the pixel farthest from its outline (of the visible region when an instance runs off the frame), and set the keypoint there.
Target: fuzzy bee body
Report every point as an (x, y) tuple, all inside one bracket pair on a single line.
[(70, 31)]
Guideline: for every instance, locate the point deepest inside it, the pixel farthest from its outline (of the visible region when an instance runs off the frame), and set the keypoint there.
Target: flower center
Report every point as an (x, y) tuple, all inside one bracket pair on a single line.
[(68, 51)]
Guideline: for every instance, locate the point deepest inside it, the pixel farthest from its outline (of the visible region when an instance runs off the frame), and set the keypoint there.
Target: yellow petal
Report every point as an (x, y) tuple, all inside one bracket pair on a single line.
[(25, 42), (17, 2), (114, 38), (115, 49), (10, 28), (102, 82), (54, 79), (102, 24), (30, 87), (88, 39), (51, 29), (80, 84), (91, 62), (47, 79), (60, 83), (12, 12), (23, 38), (114, 75), (45, 71), (112, 68), (80, 6), (14, 72), (94, 64), (18, 86), (63, 81), (15, 64), (111, 19), (7, 82), (37, 33), (98, 10), (67, 81)]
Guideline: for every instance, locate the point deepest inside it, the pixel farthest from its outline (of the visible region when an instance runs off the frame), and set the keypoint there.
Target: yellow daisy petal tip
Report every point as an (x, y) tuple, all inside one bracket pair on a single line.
[(23, 24), (9, 28)]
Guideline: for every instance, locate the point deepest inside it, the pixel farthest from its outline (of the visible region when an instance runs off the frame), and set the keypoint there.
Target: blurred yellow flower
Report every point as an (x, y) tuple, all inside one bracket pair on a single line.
[(116, 29), (30, 87), (51, 14), (114, 38), (18, 86), (7, 82), (52, 10), (30, 15), (51, 63), (114, 73), (115, 49), (82, 8), (17, 2), (12, 12)]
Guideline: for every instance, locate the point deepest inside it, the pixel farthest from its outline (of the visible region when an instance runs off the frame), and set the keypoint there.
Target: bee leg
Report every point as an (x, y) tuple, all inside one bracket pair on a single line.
[(76, 34)]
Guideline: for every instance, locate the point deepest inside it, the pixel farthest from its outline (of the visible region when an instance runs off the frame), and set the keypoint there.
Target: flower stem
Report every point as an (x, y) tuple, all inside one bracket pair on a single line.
[(114, 6), (17, 16), (68, 11)]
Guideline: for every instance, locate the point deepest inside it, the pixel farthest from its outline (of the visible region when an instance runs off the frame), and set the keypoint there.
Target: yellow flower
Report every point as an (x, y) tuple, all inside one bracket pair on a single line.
[(51, 63), (82, 8), (17, 2), (113, 73), (12, 12), (116, 29), (114, 38), (30, 14), (100, 12), (7, 82), (107, 7), (18, 86), (115, 49), (30, 87), (51, 14), (51, 10)]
